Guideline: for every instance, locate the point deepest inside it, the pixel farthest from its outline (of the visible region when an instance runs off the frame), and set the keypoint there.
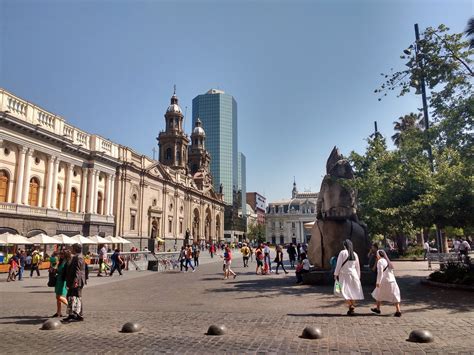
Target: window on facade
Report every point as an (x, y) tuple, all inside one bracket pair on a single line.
[(168, 154), (282, 239), (132, 221), (58, 197), (73, 200), (180, 226), (3, 186), (292, 224), (170, 226), (273, 224), (99, 202), (274, 240), (33, 195), (281, 224), (178, 156)]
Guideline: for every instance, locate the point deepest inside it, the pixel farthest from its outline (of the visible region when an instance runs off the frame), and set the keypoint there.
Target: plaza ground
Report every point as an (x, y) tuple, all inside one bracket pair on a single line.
[(262, 314)]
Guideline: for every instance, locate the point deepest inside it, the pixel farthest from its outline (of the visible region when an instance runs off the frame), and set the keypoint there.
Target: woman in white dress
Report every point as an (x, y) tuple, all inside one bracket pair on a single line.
[(386, 289), (347, 272)]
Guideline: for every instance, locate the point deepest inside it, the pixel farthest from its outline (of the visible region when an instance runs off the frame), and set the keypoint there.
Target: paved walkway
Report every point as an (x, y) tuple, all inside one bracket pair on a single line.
[(262, 313)]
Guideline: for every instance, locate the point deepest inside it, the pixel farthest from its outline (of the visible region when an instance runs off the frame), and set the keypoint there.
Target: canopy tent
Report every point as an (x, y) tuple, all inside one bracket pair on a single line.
[(9, 238), (113, 240), (309, 225), (98, 239), (124, 241), (82, 240), (160, 240), (64, 239), (43, 239)]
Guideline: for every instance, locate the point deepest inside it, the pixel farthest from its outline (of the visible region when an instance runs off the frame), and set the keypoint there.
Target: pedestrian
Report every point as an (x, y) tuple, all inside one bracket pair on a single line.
[(189, 256), (13, 268), (268, 262), (21, 264), (347, 273), (250, 252), (60, 286), (279, 259), (182, 258), (75, 281), (245, 254), (303, 267), (259, 257), (372, 256), (196, 255), (53, 260), (298, 251), (426, 249), (102, 260), (386, 288), (228, 262), (117, 262), (464, 248), (291, 255), (212, 250), (35, 262)]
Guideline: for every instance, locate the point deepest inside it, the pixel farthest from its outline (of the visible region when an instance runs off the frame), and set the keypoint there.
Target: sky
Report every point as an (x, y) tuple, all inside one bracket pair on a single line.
[(303, 73)]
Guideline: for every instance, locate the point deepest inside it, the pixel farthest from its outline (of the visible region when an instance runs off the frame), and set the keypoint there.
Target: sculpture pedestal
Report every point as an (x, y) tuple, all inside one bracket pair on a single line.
[(326, 277)]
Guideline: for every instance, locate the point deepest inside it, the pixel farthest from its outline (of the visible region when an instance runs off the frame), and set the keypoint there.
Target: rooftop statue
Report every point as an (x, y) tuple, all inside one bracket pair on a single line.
[(336, 215)]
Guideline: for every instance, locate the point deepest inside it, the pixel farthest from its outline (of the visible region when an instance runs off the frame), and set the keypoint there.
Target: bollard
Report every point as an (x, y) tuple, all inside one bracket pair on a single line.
[(131, 327), (312, 333), (421, 336), (51, 324), (216, 330)]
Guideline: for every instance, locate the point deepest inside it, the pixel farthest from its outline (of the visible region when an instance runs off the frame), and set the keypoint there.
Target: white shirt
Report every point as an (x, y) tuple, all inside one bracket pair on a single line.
[(426, 246), (457, 243), (266, 250), (306, 264)]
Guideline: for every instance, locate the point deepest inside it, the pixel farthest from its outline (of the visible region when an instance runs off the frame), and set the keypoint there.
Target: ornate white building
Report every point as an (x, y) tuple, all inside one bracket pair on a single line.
[(285, 219), (56, 178)]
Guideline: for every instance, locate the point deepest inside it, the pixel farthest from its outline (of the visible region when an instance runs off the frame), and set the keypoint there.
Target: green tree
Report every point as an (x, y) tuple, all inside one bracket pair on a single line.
[(404, 123), (256, 232)]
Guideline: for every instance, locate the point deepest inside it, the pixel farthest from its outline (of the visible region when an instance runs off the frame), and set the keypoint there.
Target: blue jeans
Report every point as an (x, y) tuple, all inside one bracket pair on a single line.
[(20, 273)]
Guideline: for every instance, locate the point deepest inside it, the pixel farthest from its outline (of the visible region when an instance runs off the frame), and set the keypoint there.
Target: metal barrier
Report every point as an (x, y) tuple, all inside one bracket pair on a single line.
[(143, 260)]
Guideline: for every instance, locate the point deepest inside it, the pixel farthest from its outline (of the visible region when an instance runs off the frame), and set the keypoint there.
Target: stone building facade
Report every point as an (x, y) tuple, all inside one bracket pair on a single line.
[(285, 219), (54, 178), (171, 199)]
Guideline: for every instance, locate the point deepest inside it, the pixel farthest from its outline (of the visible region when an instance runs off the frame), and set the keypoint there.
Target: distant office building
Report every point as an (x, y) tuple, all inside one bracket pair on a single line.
[(285, 219), (218, 114), (242, 180), (258, 204)]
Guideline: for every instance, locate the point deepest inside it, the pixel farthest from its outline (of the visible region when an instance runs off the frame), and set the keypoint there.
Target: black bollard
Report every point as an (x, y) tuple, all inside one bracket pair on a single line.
[(216, 330), (421, 336), (51, 324), (131, 327), (312, 333)]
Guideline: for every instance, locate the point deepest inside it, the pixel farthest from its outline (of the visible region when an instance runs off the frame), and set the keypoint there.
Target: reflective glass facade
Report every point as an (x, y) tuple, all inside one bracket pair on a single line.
[(218, 113)]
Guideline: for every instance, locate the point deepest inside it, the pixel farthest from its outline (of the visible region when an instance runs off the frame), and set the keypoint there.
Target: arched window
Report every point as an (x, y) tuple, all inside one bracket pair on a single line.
[(72, 208), (58, 197), (99, 202), (33, 194), (168, 154), (4, 186), (178, 157)]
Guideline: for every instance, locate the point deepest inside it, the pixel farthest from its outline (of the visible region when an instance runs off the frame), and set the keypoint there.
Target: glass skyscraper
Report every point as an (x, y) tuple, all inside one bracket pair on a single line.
[(218, 113)]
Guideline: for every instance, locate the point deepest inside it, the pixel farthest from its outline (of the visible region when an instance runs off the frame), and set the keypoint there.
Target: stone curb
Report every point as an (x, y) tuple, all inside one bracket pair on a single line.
[(446, 285)]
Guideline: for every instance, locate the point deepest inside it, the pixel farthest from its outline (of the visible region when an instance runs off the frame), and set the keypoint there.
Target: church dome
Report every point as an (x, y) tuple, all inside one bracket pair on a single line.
[(174, 108), (198, 128)]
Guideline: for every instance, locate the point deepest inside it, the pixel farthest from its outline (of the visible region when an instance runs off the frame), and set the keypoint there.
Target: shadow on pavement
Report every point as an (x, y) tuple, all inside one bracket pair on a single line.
[(23, 320)]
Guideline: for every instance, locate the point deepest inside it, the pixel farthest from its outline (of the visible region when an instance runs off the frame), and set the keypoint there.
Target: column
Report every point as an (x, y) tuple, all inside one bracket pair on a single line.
[(83, 190), (26, 179), (107, 195), (90, 192), (21, 173), (54, 187), (49, 182), (112, 194), (67, 191)]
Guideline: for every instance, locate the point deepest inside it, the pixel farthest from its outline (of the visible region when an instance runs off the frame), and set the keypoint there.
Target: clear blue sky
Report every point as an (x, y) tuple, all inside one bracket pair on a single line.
[(303, 72)]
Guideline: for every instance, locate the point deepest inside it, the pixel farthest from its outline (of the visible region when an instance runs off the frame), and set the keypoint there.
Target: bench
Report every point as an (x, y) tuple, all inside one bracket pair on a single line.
[(442, 258)]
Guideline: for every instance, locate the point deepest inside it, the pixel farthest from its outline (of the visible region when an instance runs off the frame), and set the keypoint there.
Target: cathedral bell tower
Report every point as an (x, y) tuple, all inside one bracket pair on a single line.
[(199, 157), (173, 142)]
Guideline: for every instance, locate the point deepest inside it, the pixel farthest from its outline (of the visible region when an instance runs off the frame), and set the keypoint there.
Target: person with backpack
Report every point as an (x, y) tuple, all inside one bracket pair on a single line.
[(386, 289), (259, 257), (35, 262), (188, 257), (117, 262), (347, 273)]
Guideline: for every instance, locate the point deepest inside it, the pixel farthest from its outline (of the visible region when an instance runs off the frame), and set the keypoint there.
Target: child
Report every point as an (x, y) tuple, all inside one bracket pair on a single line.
[(12, 271)]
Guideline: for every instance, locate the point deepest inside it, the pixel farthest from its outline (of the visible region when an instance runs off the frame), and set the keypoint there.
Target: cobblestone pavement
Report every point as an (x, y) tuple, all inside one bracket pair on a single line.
[(263, 314)]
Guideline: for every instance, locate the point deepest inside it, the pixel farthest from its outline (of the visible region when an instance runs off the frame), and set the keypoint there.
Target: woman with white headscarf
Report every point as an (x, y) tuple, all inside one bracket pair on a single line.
[(386, 289), (347, 272)]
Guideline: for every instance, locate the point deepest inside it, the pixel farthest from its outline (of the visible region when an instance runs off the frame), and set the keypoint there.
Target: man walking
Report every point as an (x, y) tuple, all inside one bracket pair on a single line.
[(75, 281), (102, 259), (245, 254), (426, 247), (266, 252), (292, 255), (35, 262)]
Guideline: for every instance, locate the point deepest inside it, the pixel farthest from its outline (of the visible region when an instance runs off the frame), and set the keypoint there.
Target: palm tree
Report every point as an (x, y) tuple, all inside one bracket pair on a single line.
[(404, 123), (470, 31)]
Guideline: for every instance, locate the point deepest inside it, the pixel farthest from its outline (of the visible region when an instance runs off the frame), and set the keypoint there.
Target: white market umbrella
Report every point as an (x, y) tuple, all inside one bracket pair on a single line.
[(98, 239), (124, 241), (64, 239), (43, 239), (82, 240), (9, 238), (309, 225), (113, 240)]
